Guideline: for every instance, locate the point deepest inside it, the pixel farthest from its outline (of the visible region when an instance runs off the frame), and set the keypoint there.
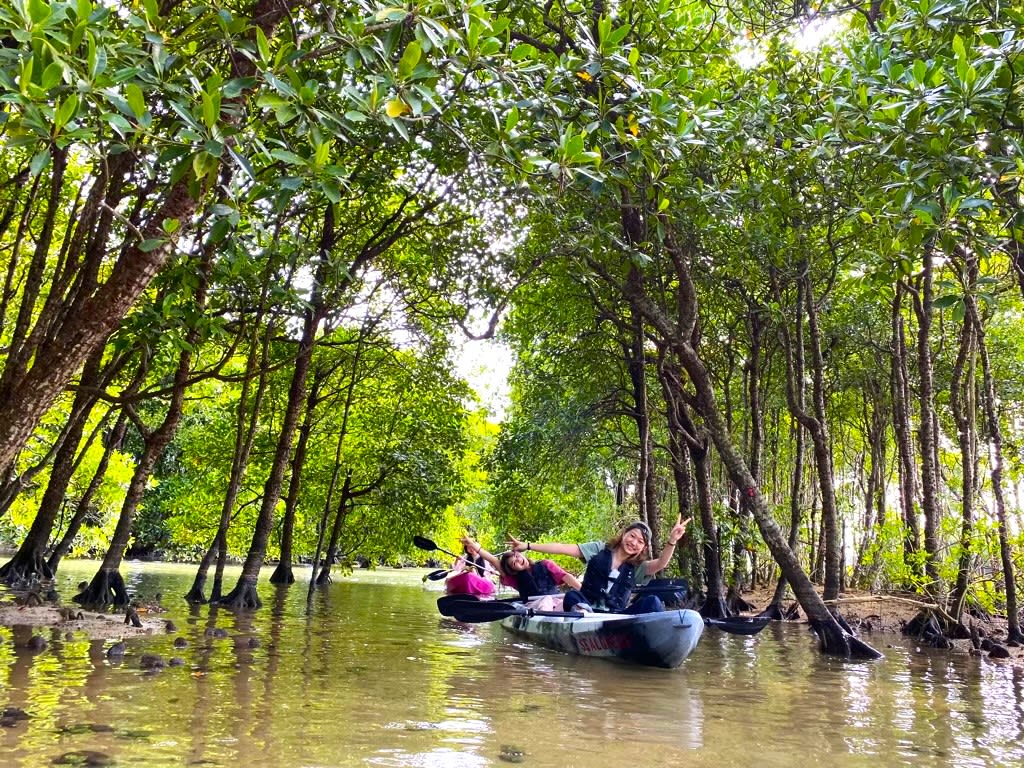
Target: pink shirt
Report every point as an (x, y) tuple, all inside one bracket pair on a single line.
[(557, 573)]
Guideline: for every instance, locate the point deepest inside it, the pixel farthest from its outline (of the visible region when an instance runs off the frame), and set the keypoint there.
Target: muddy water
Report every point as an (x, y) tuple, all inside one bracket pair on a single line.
[(375, 678)]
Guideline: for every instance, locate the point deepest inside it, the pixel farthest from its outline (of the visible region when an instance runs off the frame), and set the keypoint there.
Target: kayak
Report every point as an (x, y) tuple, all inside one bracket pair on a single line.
[(662, 639)]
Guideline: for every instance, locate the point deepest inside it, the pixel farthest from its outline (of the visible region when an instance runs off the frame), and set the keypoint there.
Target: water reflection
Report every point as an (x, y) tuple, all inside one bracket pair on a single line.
[(372, 676)]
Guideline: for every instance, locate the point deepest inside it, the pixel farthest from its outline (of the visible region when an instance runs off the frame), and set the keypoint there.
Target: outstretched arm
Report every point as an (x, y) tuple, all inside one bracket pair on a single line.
[(571, 581), (479, 551), (658, 563), (546, 548)]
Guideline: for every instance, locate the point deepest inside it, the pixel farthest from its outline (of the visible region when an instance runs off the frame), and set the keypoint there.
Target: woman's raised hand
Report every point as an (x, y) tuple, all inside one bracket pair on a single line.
[(678, 530), (515, 544)]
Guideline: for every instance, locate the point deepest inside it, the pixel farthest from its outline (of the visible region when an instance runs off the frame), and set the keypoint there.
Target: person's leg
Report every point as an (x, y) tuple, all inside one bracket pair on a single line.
[(573, 600), (646, 604)]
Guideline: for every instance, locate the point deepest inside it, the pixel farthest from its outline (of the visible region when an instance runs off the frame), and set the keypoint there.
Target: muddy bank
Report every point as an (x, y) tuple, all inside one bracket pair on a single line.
[(101, 626)]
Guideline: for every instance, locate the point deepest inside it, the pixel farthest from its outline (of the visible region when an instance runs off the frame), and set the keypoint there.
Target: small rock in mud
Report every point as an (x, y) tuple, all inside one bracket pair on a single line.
[(151, 661), (11, 716), (117, 650), (84, 757), (511, 754)]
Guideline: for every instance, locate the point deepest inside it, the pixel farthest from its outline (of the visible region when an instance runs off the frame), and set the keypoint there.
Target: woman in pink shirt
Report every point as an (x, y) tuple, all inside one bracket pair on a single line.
[(537, 581)]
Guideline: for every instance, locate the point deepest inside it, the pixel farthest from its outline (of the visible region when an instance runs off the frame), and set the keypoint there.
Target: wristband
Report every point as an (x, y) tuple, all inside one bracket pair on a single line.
[(527, 546)]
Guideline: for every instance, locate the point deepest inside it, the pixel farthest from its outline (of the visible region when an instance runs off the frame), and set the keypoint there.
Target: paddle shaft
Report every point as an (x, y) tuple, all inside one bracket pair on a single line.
[(429, 545)]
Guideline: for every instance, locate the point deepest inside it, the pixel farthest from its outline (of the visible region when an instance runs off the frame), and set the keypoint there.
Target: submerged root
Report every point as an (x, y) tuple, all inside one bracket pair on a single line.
[(715, 608), (282, 574), (195, 595), (106, 588), (773, 612), (243, 597), (25, 569), (836, 641)]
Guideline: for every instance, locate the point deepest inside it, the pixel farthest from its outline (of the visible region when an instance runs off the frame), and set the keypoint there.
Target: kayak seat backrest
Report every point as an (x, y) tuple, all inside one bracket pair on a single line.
[(673, 592)]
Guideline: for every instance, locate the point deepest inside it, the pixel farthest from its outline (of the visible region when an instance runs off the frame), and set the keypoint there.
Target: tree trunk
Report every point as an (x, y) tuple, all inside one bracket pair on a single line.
[(244, 595), (283, 573), (927, 437), (324, 576), (246, 426), (111, 444), (995, 437), (636, 364), (907, 473), (29, 561), (962, 405), (818, 430), (774, 608), (107, 586)]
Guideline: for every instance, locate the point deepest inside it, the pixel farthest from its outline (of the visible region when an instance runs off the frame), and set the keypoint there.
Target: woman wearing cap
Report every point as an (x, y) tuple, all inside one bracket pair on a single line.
[(614, 568), (533, 579)]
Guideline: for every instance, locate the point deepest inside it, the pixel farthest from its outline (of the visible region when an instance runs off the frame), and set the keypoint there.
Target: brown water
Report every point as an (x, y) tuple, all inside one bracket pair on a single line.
[(375, 678)]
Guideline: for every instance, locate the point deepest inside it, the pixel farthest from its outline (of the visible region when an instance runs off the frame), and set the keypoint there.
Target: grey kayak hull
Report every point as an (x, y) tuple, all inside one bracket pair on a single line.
[(661, 639)]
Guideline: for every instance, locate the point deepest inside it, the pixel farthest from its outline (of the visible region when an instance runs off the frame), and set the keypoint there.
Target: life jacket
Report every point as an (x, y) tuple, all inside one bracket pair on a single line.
[(595, 583), (535, 581)]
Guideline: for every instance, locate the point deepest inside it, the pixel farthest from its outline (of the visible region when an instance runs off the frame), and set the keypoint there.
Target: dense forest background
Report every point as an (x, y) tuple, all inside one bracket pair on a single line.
[(761, 265)]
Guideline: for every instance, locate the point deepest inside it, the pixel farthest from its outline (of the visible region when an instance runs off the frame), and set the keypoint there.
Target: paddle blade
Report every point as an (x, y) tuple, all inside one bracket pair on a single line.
[(472, 611), (437, 575), (424, 543), (740, 625)]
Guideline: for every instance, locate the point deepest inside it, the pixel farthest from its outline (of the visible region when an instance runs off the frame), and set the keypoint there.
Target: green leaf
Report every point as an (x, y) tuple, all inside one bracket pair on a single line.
[(410, 58), (331, 191), (262, 45), (52, 75), (39, 161), (38, 11), (136, 101), (511, 119), (209, 111), (523, 51), (945, 302), (170, 226), (618, 34), (286, 157), (151, 244), (66, 111)]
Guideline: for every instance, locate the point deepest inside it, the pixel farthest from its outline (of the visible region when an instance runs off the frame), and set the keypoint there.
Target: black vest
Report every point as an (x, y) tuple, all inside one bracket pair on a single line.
[(535, 581), (595, 583)]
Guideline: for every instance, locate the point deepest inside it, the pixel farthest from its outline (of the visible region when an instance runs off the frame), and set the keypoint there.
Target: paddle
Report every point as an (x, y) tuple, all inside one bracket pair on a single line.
[(739, 625), (428, 545), (472, 611), (437, 575)]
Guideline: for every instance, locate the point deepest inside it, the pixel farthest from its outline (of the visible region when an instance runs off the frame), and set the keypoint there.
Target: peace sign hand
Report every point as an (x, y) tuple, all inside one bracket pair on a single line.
[(678, 530)]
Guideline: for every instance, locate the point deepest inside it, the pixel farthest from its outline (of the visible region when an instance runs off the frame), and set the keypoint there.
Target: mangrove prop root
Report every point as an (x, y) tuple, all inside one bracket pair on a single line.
[(106, 588), (242, 597), (715, 608), (282, 574), (26, 567)]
